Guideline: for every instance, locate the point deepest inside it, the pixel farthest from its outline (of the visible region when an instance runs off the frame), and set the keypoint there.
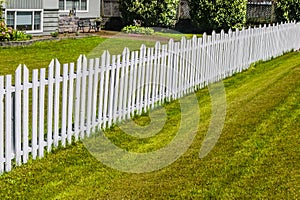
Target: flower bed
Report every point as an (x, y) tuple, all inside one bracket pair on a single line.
[(9, 34)]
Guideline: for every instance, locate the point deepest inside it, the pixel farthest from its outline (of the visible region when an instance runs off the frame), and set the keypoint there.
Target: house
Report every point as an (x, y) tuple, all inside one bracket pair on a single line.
[(261, 11), (43, 16)]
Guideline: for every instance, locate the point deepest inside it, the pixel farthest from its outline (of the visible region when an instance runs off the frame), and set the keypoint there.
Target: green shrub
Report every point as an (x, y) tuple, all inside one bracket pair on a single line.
[(9, 34), (54, 34), (287, 10), (210, 15), (138, 30), (1, 10), (150, 12)]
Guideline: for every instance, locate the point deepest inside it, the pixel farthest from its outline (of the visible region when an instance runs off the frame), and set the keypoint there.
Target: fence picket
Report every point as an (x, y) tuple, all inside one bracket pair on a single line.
[(89, 98), (123, 87), (95, 92), (41, 142), (35, 84), (82, 123), (64, 105), (8, 124), (49, 105), (111, 90), (77, 97), (107, 74), (117, 90), (56, 103), (2, 93), (134, 84), (129, 80), (25, 114), (18, 115), (148, 78), (101, 89), (70, 130)]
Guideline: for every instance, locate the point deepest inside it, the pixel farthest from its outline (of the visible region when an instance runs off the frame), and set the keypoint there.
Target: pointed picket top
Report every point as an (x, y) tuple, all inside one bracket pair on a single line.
[(107, 53), (171, 41), (57, 62), (213, 34), (143, 48), (194, 37), (84, 59), (171, 44), (194, 40), (157, 45), (183, 39), (51, 64), (79, 59), (103, 56), (125, 51), (19, 69), (107, 59), (25, 69), (222, 32), (209, 39)]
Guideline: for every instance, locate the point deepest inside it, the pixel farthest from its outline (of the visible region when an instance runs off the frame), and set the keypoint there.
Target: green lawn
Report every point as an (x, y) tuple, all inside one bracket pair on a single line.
[(256, 157), (40, 54)]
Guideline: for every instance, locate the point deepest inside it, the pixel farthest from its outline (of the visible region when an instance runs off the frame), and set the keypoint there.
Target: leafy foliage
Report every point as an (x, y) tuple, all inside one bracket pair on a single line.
[(138, 30), (150, 12), (287, 10), (1, 10), (9, 34), (210, 15)]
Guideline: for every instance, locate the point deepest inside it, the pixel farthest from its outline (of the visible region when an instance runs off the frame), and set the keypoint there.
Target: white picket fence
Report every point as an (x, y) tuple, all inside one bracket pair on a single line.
[(69, 101)]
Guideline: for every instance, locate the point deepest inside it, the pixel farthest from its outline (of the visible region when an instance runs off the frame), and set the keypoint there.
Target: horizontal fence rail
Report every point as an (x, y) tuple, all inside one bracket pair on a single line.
[(49, 107)]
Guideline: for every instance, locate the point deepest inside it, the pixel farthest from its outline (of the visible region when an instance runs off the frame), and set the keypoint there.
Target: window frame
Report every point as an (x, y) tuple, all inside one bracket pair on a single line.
[(32, 19), (79, 11)]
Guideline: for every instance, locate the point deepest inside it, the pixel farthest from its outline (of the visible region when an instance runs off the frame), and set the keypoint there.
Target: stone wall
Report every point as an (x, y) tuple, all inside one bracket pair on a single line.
[(67, 24)]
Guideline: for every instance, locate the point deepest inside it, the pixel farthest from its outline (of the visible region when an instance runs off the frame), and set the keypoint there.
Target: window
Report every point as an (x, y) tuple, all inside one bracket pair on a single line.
[(24, 20), (71, 4), (10, 19)]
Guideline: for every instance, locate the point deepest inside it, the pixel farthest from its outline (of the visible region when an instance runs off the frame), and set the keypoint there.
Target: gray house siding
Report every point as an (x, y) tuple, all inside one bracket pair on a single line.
[(50, 4), (50, 21), (24, 4)]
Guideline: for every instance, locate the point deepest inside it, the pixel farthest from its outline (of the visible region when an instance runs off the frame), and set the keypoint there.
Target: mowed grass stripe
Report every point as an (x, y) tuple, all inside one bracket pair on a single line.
[(257, 155)]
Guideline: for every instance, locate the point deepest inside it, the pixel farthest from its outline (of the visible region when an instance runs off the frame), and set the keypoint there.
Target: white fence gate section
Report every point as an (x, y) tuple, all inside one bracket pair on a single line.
[(69, 101)]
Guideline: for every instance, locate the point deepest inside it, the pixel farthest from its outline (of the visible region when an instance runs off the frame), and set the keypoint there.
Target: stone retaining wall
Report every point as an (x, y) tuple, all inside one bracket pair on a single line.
[(67, 24)]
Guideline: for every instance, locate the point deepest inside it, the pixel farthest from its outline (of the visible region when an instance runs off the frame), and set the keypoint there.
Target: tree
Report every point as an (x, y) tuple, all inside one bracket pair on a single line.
[(150, 12), (210, 15), (287, 10)]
